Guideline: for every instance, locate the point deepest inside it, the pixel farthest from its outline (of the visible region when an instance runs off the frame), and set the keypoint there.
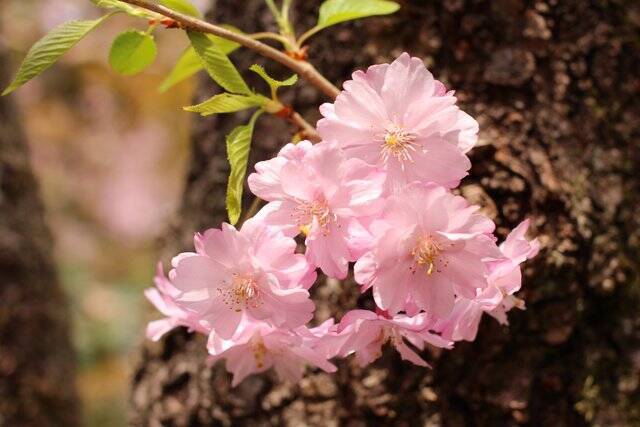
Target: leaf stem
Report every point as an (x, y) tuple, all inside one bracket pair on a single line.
[(304, 37), (274, 10), (151, 28), (273, 36), (302, 68)]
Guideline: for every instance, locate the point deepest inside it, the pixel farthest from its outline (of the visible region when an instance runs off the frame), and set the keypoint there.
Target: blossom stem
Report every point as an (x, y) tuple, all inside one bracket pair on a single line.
[(303, 68), (308, 131), (252, 210)]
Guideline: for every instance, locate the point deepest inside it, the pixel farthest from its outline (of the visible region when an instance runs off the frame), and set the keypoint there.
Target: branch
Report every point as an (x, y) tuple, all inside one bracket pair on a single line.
[(302, 68)]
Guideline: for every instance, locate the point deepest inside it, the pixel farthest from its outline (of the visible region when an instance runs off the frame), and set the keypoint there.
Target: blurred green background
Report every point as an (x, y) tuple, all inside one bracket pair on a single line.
[(110, 153)]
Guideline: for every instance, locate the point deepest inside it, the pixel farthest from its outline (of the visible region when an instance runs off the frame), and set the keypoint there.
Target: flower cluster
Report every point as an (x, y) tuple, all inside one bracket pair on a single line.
[(375, 192)]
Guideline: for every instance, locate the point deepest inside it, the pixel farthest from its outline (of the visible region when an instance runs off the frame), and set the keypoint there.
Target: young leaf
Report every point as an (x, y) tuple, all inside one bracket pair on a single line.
[(217, 64), (273, 83), (238, 145), (227, 103), (189, 63), (182, 6), (132, 52), (126, 8), (336, 11), (46, 51)]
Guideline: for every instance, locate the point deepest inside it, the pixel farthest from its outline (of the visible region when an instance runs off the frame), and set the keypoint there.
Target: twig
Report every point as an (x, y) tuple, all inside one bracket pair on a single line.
[(309, 132), (289, 114), (302, 68)]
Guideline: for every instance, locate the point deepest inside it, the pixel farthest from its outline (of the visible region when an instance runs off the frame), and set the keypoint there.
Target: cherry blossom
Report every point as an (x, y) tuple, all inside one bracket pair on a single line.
[(498, 298), (397, 116), (314, 190), (430, 246), (252, 273), (257, 347), (364, 332), (376, 191), (162, 296)]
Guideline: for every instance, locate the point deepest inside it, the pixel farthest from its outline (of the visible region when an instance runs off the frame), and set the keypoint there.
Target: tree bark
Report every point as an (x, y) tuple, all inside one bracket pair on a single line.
[(37, 364), (554, 86)]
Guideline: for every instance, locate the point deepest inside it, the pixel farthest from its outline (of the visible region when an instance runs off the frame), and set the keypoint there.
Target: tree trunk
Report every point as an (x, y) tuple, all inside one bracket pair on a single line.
[(37, 365), (554, 86)]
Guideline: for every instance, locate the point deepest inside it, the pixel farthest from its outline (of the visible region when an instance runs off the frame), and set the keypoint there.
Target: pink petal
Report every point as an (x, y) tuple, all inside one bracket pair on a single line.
[(434, 294), (390, 286), (329, 252), (408, 354), (278, 215), (314, 358), (157, 328), (198, 272)]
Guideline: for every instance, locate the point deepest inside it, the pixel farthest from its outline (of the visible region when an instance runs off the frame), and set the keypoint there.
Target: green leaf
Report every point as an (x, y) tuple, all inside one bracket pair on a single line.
[(46, 51), (238, 145), (182, 6), (227, 103), (333, 12), (273, 83), (132, 52), (217, 64), (189, 63), (225, 45), (126, 8)]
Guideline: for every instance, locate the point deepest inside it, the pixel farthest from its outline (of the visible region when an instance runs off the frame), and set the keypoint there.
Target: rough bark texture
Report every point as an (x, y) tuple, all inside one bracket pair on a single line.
[(555, 88), (37, 365)]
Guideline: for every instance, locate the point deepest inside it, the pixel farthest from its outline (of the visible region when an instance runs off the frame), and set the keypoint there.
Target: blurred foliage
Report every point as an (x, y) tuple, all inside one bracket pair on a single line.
[(110, 153)]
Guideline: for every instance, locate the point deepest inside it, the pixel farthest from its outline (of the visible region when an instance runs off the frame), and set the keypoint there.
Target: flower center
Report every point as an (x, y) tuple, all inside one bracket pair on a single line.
[(259, 351), (306, 213), (242, 293), (426, 253), (398, 143)]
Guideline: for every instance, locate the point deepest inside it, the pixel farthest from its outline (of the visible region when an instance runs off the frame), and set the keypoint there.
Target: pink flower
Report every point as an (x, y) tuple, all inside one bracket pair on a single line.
[(314, 190), (257, 347), (506, 275), (397, 116), (463, 322), (163, 298), (504, 280), (252, 273), (365, 332), (430, 246)]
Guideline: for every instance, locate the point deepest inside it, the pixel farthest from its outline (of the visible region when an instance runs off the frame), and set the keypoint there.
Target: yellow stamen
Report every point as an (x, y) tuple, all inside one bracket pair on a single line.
[(397, 143), (305, 229), (426, 253), (391, 139), (259, 351), (242, 293), (308, 213)]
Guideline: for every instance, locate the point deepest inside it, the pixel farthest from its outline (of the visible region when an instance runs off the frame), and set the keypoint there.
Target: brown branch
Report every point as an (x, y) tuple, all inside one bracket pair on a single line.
[(302, 68)]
